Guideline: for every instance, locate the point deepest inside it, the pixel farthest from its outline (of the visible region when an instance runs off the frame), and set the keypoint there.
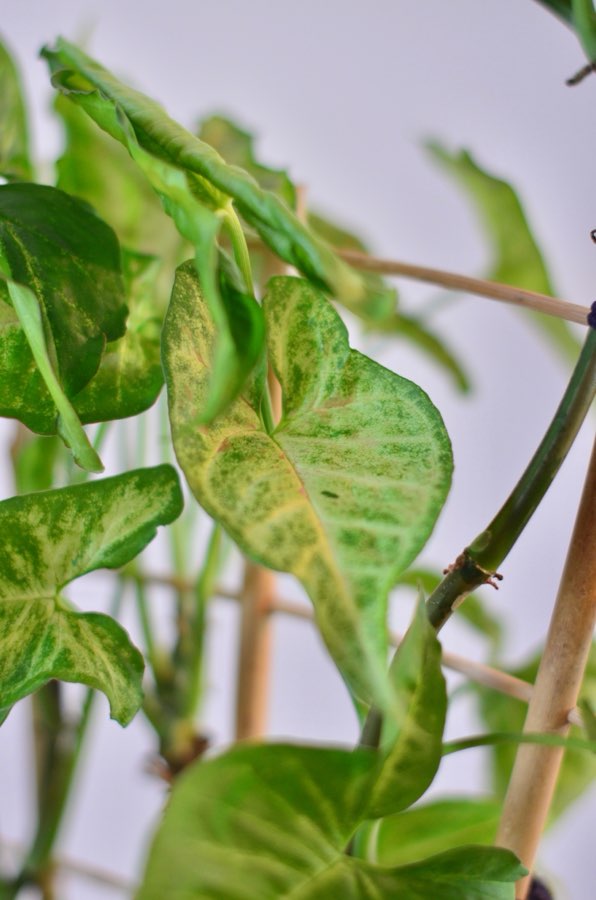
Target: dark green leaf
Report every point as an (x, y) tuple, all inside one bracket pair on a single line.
[(15, 163), (47, 539), (434, 828), (517, 259), (130, 375), (412, 739), (346, 490), (29, 340), (506, 714), (561, 8), (109, 103), (273, 821), (58, 248)]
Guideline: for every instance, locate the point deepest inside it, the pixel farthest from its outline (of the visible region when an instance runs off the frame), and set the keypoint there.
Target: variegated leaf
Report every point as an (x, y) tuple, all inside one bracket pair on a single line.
[(345, 491), (49, 538)]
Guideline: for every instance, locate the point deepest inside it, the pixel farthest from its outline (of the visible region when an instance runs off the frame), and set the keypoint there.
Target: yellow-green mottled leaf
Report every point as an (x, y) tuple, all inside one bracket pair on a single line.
[(274, 821), (412, 739), (108, 101), (345, 491), (59, 249), (15, 162), (40, 640), (49, 538), (517, 258)]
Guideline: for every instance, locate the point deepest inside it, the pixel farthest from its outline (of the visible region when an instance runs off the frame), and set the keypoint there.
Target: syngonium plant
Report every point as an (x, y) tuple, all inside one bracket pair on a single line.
[(158, 256)]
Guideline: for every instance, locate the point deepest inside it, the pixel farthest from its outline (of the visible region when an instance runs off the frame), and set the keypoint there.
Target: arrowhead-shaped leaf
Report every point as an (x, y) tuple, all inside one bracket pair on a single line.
[(15, 163), (107, 101), (412, 739), (517, 258), (49, 538), (346, 490), (274, 821)]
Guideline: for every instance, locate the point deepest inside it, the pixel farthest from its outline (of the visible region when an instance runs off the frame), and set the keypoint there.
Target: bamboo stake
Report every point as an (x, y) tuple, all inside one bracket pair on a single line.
[(493, 290), (558, 683)]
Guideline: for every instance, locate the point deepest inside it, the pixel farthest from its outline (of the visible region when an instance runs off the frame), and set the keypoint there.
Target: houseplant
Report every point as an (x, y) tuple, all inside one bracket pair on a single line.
[(200, 212)]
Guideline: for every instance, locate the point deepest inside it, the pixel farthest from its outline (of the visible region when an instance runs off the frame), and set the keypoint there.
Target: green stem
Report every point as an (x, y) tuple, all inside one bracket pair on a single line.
[(242, 257), (239, 246), (203, 592), (65, 754), (480, 560), (146, 627), (26, 306)]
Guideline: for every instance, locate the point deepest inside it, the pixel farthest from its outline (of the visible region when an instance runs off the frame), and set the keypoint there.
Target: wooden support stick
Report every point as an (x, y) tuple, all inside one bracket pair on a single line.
[(562, 309), (556, 690)]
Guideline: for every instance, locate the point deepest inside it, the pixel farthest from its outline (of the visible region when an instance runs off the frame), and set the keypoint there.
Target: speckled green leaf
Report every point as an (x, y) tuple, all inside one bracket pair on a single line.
[(274, 821), (346, 490), (39, 641), (58, 248), (46, 540), (435, 828), (107, 101), (412, 739), (15, 163), (517, 258)]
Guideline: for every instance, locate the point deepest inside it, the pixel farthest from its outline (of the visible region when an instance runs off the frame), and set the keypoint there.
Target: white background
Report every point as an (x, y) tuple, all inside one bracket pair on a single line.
[(344, 94)]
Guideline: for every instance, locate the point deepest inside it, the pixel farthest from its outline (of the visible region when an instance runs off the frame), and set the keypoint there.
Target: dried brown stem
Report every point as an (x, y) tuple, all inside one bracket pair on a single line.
[(493, 290), (558, 683)]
